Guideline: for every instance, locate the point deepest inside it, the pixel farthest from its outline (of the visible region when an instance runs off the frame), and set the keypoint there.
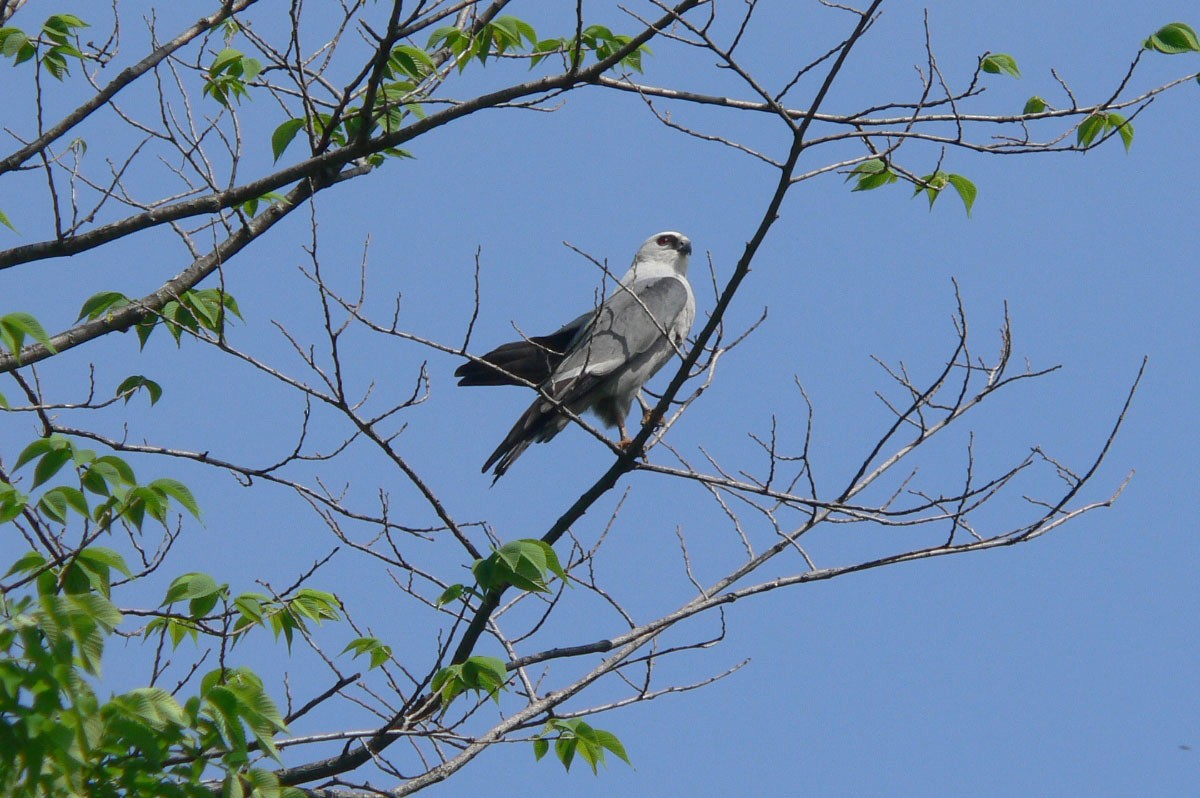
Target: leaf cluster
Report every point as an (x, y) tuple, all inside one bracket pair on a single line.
[(1101, 124), (478, 674), (228, 75), (282, 615), (58, 738), (595, 39), (108, 479), (574, 736), (58, 42), (524, 564), (877, 172)]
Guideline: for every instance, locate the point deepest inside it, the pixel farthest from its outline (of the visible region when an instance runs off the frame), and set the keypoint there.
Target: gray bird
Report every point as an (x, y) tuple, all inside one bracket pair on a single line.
[(600, 360)]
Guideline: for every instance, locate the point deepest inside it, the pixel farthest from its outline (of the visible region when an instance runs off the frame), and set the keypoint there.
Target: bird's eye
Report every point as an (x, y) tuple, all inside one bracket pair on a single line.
[(666, 241)]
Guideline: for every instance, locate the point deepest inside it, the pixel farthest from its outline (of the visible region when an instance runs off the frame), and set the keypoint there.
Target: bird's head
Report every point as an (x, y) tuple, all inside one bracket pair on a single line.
[(668, 248)]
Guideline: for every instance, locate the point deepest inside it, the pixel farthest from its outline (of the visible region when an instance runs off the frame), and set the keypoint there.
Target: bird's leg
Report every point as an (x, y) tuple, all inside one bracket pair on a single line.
[(647, 409), (625, 439)]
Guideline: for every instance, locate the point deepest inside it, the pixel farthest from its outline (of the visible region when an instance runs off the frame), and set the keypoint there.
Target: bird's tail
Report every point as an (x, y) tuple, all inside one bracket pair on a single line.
[(539, 423)]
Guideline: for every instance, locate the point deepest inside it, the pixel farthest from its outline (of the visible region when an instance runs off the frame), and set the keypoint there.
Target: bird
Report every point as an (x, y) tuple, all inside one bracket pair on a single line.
[(599, 360)]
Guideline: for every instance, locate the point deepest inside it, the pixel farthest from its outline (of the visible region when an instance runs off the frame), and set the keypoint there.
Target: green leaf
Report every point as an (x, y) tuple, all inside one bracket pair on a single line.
[(610, 742), (4, 221), (1124, 128), (224, 60), (1000, 62), (1089, 129), (12, 503), (1034, 105), (50, 464), (102, 555), (132, 384), (524, 564), (480, 674), (96, 305), (27, 563), (191, 586), (177, 491), (37, 449), (540, 747), (966, 190), (1173, 39), (412, 61), (58, 500), (449, 594), (12, 40), (378, 652), (575, 736), (871, 174), (62, 24), (26, 52), (15, 326), (316, 605), (283, 136)]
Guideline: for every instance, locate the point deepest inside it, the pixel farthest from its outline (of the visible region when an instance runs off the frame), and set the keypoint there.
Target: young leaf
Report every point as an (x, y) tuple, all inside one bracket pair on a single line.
[(1122, 126), (191, 586), (134, 383), (28, 563), (38, 448), (610, 741), (379, 652), (283, 136), (15, 326), (450, 594), (1034, 105), (12, 502), (50, 464), (932, 185), (224, 60), (4, 221), (177, 491), (871, 174), (1089, 129), (95, 305), (108, 557), (1173, 39), (12, 40), (1000, 62), (56, 501), (966, 190)]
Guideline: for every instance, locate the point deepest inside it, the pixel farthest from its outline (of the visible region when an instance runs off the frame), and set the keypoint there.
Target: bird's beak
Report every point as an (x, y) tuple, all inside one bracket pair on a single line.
[(685, 247)]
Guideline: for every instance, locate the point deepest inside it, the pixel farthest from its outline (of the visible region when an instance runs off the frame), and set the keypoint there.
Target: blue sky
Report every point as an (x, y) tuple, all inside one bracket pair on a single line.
[(1065, 666)]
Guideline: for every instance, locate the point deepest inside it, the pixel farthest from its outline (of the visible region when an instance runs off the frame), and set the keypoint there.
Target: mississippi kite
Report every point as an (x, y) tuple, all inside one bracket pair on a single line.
[(600, 360)]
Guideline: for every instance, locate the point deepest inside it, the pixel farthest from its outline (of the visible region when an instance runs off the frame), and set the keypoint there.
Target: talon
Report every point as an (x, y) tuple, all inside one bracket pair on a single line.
[(648, 416)]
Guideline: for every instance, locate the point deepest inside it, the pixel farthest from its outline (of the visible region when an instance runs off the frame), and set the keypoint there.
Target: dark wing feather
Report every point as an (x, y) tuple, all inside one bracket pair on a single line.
[(528, 362)]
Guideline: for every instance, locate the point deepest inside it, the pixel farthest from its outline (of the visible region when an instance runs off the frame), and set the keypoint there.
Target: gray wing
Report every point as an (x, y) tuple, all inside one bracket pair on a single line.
[(632, 322), (629, 338)]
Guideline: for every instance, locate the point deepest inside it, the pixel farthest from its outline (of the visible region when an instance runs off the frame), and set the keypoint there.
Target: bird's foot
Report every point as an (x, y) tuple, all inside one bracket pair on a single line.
[(648, 416), (625, 443)]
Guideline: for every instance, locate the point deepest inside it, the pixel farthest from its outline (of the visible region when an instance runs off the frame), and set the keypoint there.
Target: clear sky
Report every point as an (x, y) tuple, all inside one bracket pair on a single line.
[(1067, 666)]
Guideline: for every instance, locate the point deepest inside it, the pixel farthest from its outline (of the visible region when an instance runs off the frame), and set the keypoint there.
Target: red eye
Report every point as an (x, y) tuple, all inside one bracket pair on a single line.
[(666, 241)]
